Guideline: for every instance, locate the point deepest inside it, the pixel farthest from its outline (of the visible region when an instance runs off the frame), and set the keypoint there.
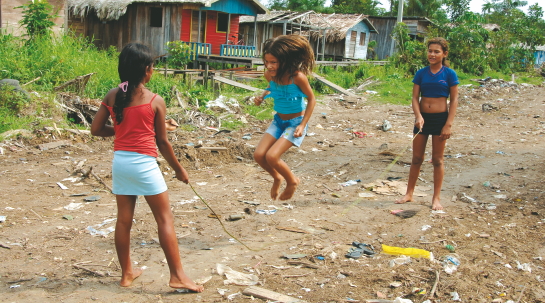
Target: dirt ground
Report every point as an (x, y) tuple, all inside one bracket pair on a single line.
[(493, 195)]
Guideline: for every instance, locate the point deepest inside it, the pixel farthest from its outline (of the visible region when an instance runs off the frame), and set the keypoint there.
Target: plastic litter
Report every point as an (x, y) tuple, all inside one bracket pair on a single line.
[(455, 296), (410, 252), (350, 182), (401, 300), (399, 261), (265, 211), (2, 219), (386, 125), (73, 206), (235, 277)]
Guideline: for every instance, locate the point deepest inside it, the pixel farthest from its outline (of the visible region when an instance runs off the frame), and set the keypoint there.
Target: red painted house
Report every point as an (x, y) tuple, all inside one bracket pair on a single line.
[(208, 24)]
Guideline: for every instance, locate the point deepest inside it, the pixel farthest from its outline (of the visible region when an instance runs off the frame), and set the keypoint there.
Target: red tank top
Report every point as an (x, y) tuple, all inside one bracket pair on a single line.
[(136, 133)]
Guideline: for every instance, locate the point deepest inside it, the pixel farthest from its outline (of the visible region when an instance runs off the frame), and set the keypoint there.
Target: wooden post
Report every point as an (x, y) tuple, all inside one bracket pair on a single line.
[(205, 77), (166, 67), (231, 75)]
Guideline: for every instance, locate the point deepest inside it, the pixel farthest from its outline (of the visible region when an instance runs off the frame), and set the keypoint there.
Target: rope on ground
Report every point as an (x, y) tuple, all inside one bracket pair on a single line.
[(388, 168), (219, 220)]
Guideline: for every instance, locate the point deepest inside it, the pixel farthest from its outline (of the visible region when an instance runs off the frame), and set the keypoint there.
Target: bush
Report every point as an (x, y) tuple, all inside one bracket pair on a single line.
[(180, 54), (38, 18)]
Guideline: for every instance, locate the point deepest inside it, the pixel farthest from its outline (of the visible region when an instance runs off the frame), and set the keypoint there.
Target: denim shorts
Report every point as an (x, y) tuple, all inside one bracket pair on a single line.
[(136, 174), (285, 128)]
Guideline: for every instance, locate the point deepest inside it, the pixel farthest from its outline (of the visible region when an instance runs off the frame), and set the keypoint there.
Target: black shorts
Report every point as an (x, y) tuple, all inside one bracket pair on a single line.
[(433, 123)]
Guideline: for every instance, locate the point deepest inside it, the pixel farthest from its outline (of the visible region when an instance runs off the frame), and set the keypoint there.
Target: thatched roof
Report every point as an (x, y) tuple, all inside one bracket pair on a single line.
[(107, 10), (341, 23)]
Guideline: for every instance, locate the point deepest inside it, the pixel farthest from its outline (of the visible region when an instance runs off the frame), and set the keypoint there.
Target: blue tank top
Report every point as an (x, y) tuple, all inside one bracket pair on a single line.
[(288, 99)]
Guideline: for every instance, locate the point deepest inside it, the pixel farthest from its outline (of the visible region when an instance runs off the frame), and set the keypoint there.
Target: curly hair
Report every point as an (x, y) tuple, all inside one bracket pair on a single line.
[(134, 61), (444, 45), (293, 53)]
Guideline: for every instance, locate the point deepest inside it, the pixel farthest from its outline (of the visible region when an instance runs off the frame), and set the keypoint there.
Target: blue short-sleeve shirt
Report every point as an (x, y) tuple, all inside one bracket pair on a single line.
[(435, 85)]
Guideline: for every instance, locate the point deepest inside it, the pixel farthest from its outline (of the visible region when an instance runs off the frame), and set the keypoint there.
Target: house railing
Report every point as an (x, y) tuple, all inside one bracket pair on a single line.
[(197, 48), (237, 50)]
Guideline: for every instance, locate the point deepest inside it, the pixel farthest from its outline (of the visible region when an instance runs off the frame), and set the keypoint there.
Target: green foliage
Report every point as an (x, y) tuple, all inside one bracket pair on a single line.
[(180, 54), (410, 53), (300, 5), (11, 100), (38, 18), (367, 7)]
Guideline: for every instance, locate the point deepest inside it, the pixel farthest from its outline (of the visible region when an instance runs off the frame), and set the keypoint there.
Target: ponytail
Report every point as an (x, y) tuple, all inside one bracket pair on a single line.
[(134, 61)]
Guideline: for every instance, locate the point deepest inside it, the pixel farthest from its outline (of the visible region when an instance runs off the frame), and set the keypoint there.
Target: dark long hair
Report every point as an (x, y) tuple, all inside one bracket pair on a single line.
[(134, 60), (293, 53), (444, 45)]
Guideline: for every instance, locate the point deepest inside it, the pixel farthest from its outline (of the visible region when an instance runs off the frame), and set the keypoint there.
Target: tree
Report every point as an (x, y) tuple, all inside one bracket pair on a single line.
[(38, 18), (366, 7), (456, 8)]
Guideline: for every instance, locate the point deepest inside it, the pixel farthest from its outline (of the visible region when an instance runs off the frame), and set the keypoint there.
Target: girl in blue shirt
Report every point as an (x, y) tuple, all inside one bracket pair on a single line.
[(433, 116), (288, 60)]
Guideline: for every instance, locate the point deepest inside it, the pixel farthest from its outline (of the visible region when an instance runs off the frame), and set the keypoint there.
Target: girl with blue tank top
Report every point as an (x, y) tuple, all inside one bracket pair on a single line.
[(433, 85), (288, 60)]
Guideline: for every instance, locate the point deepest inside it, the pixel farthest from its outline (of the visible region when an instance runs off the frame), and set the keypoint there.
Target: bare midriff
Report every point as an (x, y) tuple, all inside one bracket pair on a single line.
[(290, 116), (433, 105)]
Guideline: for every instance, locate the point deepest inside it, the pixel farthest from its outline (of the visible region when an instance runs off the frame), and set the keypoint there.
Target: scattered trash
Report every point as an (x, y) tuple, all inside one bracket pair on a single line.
[(233, 296), (524, 267), (401, 300), (61, 185), (404, 213), (455, 296), (467, 198), (294, 256), (104, 232), (359, 250), (15, 286), (265, 211), (411, 252), (221, 102), (500, 152), (68, 217), (350, 182), (400, 261), (235, 277), (91, 199), (73, 206), (486, 184), (247, 137), (366, 195), (425, 227), (235, 217), (2, 219), (491, 206), (396, 284), (450, 247), (360, 134), (386, 126), (500, 196)]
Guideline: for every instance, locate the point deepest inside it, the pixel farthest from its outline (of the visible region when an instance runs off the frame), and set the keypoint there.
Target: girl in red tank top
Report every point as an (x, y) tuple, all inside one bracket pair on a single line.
[(139, 129)]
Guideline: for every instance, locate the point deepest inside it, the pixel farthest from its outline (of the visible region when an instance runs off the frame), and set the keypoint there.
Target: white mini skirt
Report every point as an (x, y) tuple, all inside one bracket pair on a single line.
[(136, 175)]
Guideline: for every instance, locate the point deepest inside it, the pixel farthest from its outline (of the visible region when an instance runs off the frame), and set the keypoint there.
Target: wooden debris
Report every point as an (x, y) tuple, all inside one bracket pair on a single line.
[(434, 288), (99, 179), (96, 272), (52, 145), (304, 264), (79, 83), (293, 229), (266, 294), (4, 245)]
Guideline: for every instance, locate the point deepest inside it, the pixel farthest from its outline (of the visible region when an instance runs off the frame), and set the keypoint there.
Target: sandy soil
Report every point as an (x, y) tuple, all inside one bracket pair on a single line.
[(495, 158)]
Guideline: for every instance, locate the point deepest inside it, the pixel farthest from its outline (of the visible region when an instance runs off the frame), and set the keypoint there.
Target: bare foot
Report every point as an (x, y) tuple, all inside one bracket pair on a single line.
[(436, 205), (126, 279), (275, 189), (185, 283), (406, 198), (289, 190)]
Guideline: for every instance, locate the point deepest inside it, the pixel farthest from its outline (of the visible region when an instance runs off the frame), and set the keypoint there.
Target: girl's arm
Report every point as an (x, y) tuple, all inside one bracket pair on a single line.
[(259, 99), (302, 81), (418, 120), (453, 105), (98, 126), (162, 142)]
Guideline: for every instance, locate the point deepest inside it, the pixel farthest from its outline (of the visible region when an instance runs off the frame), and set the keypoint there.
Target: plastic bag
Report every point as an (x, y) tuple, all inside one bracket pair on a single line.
[(410, 252)]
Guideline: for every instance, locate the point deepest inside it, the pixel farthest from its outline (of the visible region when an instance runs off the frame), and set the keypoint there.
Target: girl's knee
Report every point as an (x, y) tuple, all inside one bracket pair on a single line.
[(271, 158), (417, 160), (437, 162)]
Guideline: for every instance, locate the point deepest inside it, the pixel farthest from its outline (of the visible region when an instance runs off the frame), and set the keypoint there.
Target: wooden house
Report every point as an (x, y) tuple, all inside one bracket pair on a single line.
[(347, 36), (418, 28), (539, 56), (276, 23), (210, 27), (327, 33)]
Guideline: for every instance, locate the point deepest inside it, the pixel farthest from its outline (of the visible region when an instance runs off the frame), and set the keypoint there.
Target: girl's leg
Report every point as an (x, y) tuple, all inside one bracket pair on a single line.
[(273, 160), (260, 157), (160, 208), (125, 213), (419, 147), (437, 158)]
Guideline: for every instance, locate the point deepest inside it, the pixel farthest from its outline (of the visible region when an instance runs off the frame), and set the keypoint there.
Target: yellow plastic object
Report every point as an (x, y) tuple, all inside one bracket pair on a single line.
[(411, 252)]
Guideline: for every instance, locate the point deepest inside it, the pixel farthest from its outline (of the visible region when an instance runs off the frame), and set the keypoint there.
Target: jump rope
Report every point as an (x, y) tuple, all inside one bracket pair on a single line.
[(388, 168)]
